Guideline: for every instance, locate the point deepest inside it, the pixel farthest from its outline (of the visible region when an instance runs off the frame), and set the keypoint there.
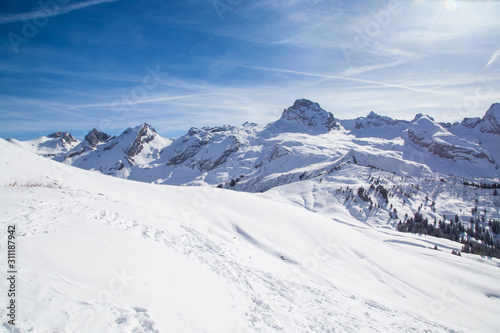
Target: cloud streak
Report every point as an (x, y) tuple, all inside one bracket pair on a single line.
[(44, 12), (363, 69), (493, 58), (334, 77), (139, 101)]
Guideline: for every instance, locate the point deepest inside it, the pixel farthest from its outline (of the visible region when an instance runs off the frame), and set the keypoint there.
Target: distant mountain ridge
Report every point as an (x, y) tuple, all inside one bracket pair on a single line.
[(306, 140), (426, 133), (375, 120)]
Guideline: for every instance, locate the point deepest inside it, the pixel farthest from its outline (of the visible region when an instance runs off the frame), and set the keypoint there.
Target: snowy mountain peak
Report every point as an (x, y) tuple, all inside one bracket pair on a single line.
[(423, 129), (306, 116), (471, 122), (494, 109), (421, 115), (147, 127), (143, 128), (144, 133), (65, 136), (491, 120), (95, 137), (375, 120), (52, 145), (118, 154)]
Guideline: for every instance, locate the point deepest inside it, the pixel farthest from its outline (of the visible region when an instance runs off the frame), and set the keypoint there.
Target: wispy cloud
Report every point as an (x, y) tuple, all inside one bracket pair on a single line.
[(334, 77), (363, 69), (493, 58), (49, 12), (139, 101)]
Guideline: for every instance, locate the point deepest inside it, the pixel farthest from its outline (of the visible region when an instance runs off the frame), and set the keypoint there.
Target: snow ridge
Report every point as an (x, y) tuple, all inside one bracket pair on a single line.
[(375, 120)]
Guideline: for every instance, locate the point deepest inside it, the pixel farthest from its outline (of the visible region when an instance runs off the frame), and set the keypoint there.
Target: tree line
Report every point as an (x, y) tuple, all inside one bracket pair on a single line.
[(476, 238)]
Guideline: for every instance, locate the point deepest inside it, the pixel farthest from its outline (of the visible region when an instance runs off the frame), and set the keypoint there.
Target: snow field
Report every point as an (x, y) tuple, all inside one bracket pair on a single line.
[(98, 253)]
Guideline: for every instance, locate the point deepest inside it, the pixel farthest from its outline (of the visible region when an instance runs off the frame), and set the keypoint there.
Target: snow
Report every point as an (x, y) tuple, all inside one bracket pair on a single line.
[(375, 120), (52, 145), (103, 254), (443, 145)]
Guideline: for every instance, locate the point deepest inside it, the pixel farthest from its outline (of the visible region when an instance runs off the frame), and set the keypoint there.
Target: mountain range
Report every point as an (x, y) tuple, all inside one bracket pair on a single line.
[(305, 137), (309, 148), (368, 224)]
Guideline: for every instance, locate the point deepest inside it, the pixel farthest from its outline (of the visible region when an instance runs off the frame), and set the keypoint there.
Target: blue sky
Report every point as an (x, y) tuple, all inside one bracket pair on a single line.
[(111, 64)]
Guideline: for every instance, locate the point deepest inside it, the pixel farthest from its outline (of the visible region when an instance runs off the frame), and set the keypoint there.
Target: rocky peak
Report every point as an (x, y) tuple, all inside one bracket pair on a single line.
[(96, 137), (306, 116), (146, 129), (65, 136), (491, 120), (420, 115), (145, 134), (471, 122)]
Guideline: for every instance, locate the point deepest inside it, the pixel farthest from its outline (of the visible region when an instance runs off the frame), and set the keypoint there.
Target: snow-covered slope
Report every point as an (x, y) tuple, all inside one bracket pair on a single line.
[(102, 254), (52, 145)]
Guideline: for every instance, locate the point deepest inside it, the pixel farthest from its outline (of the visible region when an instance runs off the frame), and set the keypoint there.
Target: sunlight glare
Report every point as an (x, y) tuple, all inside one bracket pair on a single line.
[(450, 5)]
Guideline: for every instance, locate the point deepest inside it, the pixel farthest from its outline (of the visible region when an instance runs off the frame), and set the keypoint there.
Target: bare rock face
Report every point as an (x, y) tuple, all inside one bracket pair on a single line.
[(64, 136), (471, 122), (145, 135), (95, 137)]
